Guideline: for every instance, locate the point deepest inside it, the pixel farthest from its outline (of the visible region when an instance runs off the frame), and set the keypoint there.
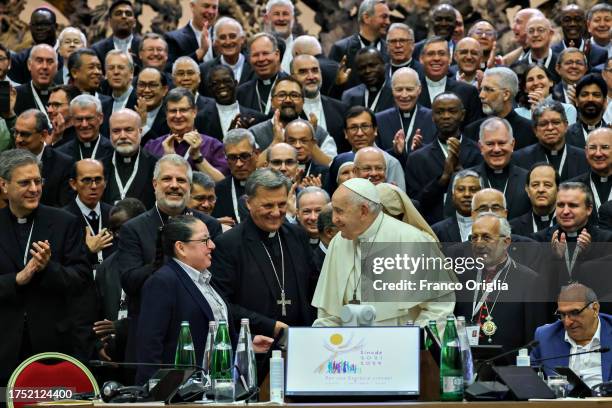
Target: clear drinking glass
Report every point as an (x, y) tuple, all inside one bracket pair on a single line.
[(558, 385)]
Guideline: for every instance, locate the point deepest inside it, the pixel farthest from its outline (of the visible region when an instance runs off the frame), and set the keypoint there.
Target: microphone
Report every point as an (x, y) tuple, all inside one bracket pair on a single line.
[(532, 343), (599, 350)]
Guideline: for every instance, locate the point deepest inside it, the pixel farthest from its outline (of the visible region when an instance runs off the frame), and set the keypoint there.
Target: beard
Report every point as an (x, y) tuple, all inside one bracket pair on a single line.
[(126, 150), (288, 114), (591, 110)]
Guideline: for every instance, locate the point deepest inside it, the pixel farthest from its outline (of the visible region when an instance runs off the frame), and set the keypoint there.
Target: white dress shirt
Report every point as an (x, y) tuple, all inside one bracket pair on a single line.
[(198, 35), (120, 102), (314, 105), (435, 87), (587, 366), (227, 113), (237, 67), (288, 55), (123, 44)]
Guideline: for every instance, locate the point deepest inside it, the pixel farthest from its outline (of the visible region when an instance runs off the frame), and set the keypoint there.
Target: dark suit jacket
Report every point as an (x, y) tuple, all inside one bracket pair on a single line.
[(207, 119), (246, 75), (182, 42), (48, 298), (241, 269), (71, 149), (447, 230), (349, 46), (74, 209), (159, 128), (142, 186), (102, 47), (414, 64), (56, 171), (596, 54), (389, 122), (356, 96), (575, 135), (467, 93), (25, 99), (552, 343), (522, 129), (515, 313), (247, 96), (107, 107), (523, 225), (334, 111), (575, 162), (224, 206), (329, 70), (135, 257), (517, 200), (19, 66), (168, 298), (557, 92), (585, 178), (423, 169)]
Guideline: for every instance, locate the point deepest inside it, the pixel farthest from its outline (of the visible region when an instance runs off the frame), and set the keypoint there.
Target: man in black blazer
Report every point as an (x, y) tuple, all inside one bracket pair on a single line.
[(328, 69), (43, 266), (429, 168), (31, 131), (194, 40), (591, 94), (435, 59), (43, 27), (400, 44), (119, 68), (129, 170), (550, 125), (374, 91), (152, 87), (300, 135), (86, 113), (41, 67), (218, 116), (373, 19), (264, 266), (443, 19), (571, 65), (458, 227), (574, 26), (137, 250), (541, 187), (329, 112), (497, 92), (539, 37), (229, 40), (122, 22), (406, 123)]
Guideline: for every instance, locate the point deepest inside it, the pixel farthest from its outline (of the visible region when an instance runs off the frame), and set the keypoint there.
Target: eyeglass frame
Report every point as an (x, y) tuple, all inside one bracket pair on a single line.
[(572, 314)]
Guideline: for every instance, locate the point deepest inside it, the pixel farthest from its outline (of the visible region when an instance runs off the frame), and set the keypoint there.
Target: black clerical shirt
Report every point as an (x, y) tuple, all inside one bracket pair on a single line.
[(498, 179)]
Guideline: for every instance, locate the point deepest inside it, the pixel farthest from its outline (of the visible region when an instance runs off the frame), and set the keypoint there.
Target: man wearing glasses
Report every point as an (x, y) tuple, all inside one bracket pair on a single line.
[(581, 328), (571, 66), (30, 132), (44, 263), (151, 88), (400, 44)]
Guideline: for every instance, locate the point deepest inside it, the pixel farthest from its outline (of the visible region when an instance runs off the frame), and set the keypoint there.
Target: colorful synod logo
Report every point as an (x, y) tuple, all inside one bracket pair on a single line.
[(347, 355)]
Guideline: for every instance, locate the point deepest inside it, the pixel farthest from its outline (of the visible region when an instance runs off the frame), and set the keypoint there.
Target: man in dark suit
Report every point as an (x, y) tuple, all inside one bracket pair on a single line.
[(300, 135), (571, 65), (579, 322), (435, 59), (468, 61), (458, 227), (310, 201), (119, 68), (264, 266), (42, 67), (327, 231), (264, 57), (429, 169), (400, 44), (137, 251), (573, 24), (539, 36), (241, 152), (444, 19), (229, 40), (58, 110), (31, 131), (550, 125), (374, 91), (373, 19), (86, 113), (505, 317), (43, 27), (129, 170), (122, 21), (181, 290), (44, 265), (329, 112), (407, 123), (217, 117), (591, 94), (328, 69), (152, 87), (497, 92), (541, 186), (598, 177), (194, 39)]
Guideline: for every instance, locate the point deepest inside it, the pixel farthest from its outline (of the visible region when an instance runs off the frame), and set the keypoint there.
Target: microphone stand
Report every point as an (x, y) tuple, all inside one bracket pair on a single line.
[(481, 365)]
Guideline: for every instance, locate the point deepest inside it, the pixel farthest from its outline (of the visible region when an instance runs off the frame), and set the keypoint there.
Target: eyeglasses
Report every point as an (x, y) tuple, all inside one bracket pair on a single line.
[(69, 42), (23, 135), (365, 127), (539, 30), (242, 156), (88, 181), (27, 183), (203, 240), (150, 85), (203, 198), (579, 63), (481, 33), (572, 314), (279, 162), (544, 123), (284, 95)]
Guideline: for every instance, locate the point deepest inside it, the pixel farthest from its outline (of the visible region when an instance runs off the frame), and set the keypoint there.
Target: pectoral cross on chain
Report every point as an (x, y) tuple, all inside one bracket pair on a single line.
[(283, 302)]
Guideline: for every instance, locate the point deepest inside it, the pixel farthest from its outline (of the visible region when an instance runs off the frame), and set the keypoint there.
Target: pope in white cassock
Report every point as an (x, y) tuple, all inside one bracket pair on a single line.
[(357, 213)]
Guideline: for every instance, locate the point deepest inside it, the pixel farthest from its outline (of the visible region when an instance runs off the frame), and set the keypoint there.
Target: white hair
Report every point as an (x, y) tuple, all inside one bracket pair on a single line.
[(406, 70), (306, 44), (70, 30), (42, 47), (493, 123), (286, 3), (227, 20), (504, 226), (191, 62), (86, 101), (507, 78)]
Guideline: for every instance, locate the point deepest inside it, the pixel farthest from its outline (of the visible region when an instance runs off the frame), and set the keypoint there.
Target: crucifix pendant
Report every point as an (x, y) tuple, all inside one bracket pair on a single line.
[(283, 302)]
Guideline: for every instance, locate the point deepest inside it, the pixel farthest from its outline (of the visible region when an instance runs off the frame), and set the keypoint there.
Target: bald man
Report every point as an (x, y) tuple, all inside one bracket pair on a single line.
[(283, 157), (309, 45), (469, 57), (519, 24), (369, 163)]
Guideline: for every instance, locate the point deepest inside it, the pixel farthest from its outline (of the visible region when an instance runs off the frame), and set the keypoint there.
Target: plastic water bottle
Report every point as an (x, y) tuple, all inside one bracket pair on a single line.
[(466, 352), (277, 377), (245, 367), (185, 352), (523, 360), (451, 367)]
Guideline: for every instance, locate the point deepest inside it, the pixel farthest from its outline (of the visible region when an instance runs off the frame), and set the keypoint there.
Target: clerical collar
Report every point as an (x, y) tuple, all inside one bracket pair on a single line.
[(504, 171), (241, 183), (553, 152), (85, 210), (588, 128), (368, 43), (228, 108), (39, 90), (370, 232), (313, 241), (269, 81), (599, 179), (164, 217), (403, 64), (88, 145), (264, 236), (408, 114), (573, 234), (23, 220), (543, 218)]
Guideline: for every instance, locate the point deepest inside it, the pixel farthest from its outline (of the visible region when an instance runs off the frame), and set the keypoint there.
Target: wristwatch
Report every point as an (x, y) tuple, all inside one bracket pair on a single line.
[(199, 160)]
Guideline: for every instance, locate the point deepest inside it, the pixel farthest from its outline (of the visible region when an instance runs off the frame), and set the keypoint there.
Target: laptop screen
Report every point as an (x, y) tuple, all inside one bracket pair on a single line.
[(352, 361)]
